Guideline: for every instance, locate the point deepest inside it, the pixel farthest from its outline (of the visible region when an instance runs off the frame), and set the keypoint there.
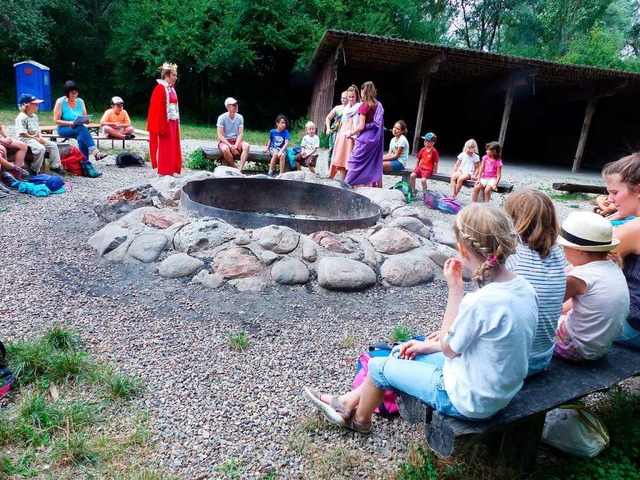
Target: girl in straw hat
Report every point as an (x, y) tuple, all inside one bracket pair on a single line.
[(597, 297)]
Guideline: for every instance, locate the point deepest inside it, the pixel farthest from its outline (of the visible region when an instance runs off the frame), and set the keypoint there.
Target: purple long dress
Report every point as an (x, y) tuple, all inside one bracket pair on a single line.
[(364, 167)]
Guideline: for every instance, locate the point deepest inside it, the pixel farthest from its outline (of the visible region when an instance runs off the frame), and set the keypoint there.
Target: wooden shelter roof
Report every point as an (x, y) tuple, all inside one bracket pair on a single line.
[(377, 54)]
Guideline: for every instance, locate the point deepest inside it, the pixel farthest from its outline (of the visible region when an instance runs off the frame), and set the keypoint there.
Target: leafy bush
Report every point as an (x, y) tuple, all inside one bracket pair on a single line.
[(197, 161)]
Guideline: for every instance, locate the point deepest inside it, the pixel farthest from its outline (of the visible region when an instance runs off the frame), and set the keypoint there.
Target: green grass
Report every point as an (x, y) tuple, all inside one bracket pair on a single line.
[(69, 416), (401, 333), (238, 341)]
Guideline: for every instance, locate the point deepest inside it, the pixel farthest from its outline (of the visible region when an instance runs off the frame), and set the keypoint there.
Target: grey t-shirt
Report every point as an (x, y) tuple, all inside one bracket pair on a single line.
[(230, 127)]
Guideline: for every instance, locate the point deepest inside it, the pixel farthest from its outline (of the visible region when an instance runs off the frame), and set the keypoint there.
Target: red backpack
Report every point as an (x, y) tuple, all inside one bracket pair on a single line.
[(72, 162)]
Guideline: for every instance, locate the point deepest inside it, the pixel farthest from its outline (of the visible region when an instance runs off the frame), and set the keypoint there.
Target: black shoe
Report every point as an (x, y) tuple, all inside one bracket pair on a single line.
[(58, 170), (129, 136)]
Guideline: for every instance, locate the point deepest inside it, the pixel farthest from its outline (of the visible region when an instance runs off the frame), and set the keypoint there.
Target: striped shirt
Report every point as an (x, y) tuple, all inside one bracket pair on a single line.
[(547, 277)]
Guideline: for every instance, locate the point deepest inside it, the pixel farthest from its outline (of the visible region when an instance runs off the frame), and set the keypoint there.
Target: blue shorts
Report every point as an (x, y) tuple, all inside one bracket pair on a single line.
[(420, 378), (396, 166)]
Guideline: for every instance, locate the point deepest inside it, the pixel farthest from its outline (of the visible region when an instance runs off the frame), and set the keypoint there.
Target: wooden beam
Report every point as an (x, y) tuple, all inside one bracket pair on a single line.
[(508, 101), (323, 91), (424, 87), (576, 187), (586, 124)]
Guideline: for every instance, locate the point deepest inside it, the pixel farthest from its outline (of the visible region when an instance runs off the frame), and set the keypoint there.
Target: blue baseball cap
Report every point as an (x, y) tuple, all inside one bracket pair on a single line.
[(27, 98), (430, 137)]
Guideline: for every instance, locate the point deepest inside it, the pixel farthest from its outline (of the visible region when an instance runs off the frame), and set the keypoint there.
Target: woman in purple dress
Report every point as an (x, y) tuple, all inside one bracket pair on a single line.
[(365, 163)]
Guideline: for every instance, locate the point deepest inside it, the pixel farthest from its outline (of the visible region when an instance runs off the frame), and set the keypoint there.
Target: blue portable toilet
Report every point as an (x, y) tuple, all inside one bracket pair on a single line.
[(34, 78)]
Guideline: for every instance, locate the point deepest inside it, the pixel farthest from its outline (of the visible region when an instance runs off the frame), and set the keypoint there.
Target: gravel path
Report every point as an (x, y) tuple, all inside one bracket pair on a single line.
[(207, 403)]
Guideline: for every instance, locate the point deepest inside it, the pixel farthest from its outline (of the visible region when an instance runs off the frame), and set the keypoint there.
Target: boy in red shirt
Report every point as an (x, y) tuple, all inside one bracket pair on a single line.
[(428, 159)]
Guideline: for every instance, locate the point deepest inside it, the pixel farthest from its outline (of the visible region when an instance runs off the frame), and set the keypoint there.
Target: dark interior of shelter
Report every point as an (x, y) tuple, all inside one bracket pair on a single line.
[(561, 115), (544, 124)]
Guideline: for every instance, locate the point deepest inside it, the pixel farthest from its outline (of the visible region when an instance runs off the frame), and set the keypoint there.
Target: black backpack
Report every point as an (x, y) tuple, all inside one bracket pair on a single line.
[(127, 159)]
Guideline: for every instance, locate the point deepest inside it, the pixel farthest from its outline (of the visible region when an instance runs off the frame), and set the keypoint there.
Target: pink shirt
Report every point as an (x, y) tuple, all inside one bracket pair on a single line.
[(490, 167)]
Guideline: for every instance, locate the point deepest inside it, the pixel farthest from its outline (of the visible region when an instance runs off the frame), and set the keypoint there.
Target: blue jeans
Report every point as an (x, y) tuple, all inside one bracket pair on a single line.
[(539, 365), (82, 135), (420, 378), (630, 337)]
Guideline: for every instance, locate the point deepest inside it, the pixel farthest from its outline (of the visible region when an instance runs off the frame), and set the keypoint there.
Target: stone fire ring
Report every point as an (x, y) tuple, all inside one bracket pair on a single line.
[(258, 202)]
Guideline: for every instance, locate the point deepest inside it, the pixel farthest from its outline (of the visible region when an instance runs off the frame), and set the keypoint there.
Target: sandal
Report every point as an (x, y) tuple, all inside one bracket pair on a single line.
[(100, 155), (336, 412), (360, 427)]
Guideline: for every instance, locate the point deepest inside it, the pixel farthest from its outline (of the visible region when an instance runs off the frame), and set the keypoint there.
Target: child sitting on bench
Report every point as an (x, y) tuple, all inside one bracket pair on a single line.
[(597, 296), (476, 363)]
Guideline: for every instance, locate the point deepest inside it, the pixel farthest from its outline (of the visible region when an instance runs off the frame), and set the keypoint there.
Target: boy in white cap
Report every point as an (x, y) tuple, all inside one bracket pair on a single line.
[(230, 130), (115, 122), (28, 129), (597, 296)]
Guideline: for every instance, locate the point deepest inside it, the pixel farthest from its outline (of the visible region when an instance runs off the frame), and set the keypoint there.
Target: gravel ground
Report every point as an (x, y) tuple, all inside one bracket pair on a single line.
[(207, 403)]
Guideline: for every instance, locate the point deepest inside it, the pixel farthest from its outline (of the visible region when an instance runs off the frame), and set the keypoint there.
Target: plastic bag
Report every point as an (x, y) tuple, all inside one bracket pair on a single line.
[(575, 430)]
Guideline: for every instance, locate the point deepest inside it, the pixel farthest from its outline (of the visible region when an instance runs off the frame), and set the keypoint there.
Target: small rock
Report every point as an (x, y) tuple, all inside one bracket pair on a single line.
[(336, 273), (179, 265)]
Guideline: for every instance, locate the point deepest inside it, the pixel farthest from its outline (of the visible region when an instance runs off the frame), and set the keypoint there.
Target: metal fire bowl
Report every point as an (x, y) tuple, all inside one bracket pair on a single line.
[(254, 203)]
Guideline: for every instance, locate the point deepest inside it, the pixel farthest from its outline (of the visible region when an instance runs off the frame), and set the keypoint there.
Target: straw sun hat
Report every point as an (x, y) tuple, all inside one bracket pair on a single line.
[(587, 231)]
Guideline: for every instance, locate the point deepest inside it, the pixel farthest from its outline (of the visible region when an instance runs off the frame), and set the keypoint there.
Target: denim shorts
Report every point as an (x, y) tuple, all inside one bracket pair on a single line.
[(630, 337), (396, 166), (420, 378)]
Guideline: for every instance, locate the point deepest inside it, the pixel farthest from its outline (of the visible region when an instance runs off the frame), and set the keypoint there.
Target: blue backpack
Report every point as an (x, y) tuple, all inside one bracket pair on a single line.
[(431, 199), (52, 182), (448, 205)]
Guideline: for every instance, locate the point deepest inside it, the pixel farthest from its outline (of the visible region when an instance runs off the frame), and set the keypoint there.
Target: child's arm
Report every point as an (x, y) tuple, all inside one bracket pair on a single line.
[(476, 173), (284, 147), (456, 166), (436, 160), (329, 118), (575, 286), (499, 175), (480, 170), (393, 156), (360, 127), (266, 147)]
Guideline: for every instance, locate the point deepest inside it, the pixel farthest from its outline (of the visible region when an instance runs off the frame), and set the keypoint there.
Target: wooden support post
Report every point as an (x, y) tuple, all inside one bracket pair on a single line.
[(424, 87), (508, 101), (323, 91), (586, 124)]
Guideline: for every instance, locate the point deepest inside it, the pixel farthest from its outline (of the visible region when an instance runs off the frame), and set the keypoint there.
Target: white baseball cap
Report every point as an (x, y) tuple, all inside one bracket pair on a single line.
[(230, 101), (116, 100)]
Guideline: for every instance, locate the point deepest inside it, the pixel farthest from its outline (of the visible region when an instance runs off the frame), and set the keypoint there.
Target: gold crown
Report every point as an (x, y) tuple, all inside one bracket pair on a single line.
[(168, 66)]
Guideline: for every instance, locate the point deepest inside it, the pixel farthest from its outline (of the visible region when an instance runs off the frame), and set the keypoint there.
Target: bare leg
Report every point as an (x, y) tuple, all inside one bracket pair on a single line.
[(476, 192), (370, 398), (453, 183), (412, 182), (115, 133), (227, 156), (244, 155), (487, 194), (282, 159), (21, 152), (343, 172), (332, 171), (272, 163), (386, 167), (312, 169), (424, 184)]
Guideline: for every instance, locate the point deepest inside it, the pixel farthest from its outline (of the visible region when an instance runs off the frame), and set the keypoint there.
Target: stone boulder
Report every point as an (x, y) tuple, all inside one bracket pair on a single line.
[(224, 171), (418, 212), (333, 242), (208, 280), (237, 262), (391, 241), (297, 176), (164, 218), (443, 233), (387, 199), (118, 204), (204, 234), (147, 247), (440, 255), (276, 238), (289, 271), (408, 269), (411, 224), (335, 273), (251, 284), (179, 265), (108, 238)]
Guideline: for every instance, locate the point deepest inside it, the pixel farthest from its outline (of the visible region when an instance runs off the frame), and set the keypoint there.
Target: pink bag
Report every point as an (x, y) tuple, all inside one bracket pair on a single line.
[(388, 406)]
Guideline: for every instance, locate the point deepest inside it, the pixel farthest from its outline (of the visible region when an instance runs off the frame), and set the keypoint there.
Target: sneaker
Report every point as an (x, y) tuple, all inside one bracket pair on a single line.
[(21, 174), (58, 170), (129, 136), (9, 180), (271, 173)]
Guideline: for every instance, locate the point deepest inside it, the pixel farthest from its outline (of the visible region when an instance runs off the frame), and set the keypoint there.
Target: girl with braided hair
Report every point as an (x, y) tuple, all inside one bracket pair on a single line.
[(476, 363)]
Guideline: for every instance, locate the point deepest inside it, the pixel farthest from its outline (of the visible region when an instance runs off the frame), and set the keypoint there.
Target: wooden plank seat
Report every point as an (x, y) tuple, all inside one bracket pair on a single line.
[(503, 187), (575, 187), (255, 154), (509, 440), (50, 132)]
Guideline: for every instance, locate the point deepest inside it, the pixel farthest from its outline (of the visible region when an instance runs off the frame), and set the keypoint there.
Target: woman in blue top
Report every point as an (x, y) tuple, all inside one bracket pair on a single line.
[(65, 111)]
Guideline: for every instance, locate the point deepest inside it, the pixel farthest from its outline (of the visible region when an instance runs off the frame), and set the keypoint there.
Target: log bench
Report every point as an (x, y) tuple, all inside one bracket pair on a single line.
[(578, 188), (503, 187), (509, 440)]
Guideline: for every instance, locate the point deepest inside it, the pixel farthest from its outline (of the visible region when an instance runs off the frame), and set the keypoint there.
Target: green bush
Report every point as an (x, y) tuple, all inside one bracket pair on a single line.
[(197, 161)]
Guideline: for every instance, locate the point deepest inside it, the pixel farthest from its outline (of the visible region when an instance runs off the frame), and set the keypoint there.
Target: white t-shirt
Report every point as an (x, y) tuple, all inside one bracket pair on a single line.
[(400, 142), (309, 144), (231, 128), (492, 333), (595, 320), (468, 163), (547, 277)]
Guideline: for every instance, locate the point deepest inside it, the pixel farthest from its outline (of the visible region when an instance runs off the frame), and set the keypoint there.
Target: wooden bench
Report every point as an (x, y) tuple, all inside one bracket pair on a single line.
[(256, 155), (575, 187), (49, 131), (405, 174), (509, 440)]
